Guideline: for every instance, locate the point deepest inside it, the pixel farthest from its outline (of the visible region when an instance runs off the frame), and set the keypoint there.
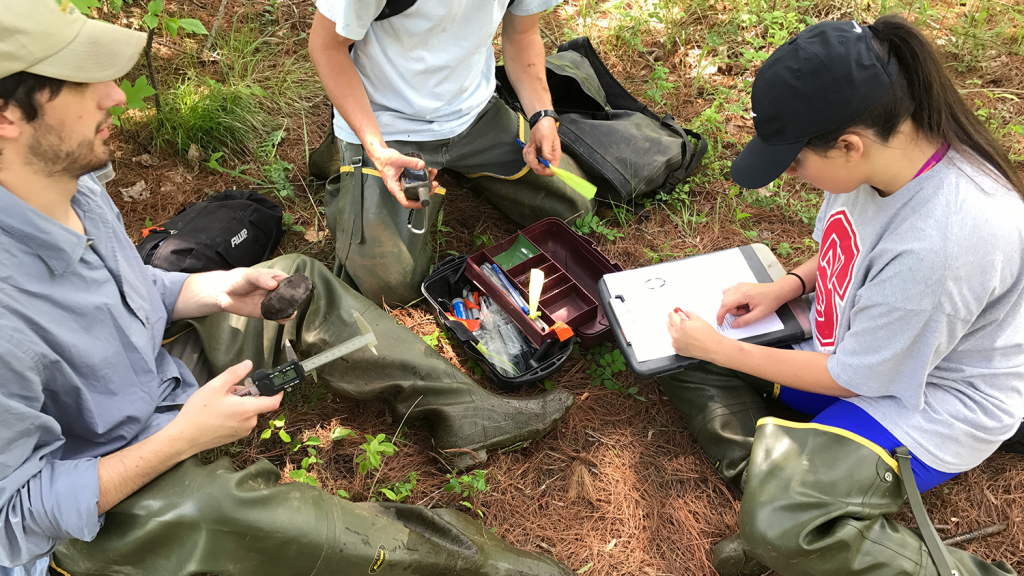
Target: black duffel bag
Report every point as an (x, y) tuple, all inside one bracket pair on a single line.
[(227, 230), (625, 149)]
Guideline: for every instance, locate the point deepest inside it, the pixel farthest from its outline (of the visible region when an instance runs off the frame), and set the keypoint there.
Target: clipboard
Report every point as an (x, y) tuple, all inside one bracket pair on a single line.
[(794, 315)]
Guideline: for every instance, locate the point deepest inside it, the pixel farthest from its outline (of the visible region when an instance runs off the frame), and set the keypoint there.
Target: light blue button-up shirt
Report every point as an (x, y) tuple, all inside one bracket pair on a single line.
[(82, 373)]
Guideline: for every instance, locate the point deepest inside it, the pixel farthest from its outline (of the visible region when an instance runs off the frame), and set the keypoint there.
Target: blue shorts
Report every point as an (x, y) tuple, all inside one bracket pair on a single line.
[(838, 413)]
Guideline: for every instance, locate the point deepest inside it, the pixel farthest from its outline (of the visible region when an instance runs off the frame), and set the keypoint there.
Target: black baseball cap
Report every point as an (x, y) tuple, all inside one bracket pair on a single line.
[(824, 78)]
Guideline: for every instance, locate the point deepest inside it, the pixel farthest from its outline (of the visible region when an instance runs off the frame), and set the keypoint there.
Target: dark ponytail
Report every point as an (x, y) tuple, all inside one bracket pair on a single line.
[(925, 94)]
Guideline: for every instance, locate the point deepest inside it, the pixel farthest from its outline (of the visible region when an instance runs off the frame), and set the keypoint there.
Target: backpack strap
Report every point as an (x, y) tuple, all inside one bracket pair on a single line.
[(692, 154), (396, 7)]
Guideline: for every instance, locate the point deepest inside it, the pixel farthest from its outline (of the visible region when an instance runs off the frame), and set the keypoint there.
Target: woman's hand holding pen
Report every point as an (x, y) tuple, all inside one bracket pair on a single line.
[(751, 302), (692, 336)]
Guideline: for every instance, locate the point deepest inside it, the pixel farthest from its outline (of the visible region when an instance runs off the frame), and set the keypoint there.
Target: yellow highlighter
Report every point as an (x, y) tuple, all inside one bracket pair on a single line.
[(586, 189)]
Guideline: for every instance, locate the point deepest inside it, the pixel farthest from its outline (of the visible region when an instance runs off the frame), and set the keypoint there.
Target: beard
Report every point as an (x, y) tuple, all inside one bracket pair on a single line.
[(50, 149)]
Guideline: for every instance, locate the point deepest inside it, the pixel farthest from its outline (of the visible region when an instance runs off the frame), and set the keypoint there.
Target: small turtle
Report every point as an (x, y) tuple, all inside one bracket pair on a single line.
[(290, 294)]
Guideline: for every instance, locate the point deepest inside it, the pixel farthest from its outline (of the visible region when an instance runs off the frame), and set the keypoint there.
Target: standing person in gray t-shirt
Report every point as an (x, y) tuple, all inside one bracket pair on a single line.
[(918, 324)]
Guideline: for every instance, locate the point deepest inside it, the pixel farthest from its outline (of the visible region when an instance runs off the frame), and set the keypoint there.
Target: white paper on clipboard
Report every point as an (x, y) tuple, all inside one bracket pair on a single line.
[(643, 298)]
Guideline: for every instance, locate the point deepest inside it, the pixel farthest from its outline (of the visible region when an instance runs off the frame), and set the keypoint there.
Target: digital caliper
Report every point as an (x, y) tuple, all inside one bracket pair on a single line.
[(270, 382)]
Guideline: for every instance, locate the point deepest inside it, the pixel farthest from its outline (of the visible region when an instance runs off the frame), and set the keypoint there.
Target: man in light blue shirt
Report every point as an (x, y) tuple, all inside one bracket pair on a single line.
[(101, 423)]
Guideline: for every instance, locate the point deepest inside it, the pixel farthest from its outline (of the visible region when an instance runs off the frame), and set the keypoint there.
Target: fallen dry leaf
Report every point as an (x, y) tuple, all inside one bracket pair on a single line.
[(195, 155), (146, 160), (137, 191), (315, 235)]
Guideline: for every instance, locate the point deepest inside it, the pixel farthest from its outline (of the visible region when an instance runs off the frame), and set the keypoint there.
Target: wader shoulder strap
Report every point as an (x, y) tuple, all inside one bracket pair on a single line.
[(355, 213), (936, 548), (357, 199)]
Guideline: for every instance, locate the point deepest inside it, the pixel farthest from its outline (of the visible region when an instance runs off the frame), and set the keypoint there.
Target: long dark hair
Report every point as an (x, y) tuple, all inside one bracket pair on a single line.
[(923, 92)]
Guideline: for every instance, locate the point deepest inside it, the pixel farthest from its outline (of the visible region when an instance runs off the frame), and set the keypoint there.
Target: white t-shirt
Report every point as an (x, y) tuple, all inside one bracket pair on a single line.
[(428, 71), (920, 300)]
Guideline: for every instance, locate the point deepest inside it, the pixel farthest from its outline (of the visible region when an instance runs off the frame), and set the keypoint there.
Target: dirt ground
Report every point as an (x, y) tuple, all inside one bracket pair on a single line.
[(619, 488)]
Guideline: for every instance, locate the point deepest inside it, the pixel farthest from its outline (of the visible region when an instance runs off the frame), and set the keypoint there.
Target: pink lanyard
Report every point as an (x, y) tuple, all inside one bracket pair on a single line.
[(935, 159)]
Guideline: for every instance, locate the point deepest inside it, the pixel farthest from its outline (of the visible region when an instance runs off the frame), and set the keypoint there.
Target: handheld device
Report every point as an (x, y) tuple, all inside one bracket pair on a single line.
[(416, 186), (269, 382)]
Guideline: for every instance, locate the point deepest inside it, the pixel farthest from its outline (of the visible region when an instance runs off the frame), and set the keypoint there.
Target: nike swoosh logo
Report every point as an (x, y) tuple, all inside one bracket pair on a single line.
[(857, 27)]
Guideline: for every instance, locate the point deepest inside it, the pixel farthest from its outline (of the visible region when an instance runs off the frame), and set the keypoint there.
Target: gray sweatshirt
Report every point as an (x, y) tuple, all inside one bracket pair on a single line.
[(920, 301)]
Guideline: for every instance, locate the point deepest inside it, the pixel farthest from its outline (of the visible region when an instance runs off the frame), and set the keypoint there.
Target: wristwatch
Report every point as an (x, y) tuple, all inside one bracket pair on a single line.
[(538, 115)]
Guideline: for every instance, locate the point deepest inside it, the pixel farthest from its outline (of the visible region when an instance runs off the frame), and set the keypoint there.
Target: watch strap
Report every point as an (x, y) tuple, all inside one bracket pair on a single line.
[(540, 114)]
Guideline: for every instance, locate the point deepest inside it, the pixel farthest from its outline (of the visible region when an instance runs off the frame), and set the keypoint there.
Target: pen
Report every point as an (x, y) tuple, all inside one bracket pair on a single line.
[(679, 311), (512, 292), (540, 158)]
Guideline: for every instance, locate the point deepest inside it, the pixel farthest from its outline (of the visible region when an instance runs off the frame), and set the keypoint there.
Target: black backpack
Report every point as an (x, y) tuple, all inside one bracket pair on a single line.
[(227, 230), (624, 148)]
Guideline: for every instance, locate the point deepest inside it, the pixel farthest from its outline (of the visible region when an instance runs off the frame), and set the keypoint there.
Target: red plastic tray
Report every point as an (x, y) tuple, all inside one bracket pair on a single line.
[(572, 266)]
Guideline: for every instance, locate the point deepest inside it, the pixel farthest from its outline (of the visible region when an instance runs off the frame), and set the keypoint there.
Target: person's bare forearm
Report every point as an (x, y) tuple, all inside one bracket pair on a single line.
[(198, 295), (523, 52), (809, 272), (799, 369), (125, 471), (344, 87)]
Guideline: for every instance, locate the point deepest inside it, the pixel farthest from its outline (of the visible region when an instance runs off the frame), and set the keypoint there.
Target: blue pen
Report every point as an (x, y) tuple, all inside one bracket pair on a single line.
[(539, 157), (512, 292)]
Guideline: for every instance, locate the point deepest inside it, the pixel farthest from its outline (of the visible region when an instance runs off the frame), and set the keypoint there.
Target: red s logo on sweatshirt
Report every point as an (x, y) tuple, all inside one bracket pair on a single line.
[(840, 248)]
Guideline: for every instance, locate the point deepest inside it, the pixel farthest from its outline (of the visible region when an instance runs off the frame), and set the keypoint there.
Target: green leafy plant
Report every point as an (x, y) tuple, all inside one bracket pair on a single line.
[(400, 490), (302, 474), (134, 95), (659, 85), (374, 449), (276, 170), (276, 424), (288, 223), (433, 339), (468, 486), (340, 433), (785, 250), (661, 254), (478, 371), (606, 363), (443, 232), (592, 224), (155, 18)]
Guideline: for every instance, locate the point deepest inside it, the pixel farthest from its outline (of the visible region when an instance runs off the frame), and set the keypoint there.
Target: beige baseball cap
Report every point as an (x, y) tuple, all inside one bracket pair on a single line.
[(55, 40)]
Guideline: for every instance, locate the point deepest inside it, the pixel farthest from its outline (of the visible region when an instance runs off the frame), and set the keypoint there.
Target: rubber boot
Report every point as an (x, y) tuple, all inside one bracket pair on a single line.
[(211, 519), (732, 557), (406, 374), (324, 162), (721, 407), (815, 503)]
